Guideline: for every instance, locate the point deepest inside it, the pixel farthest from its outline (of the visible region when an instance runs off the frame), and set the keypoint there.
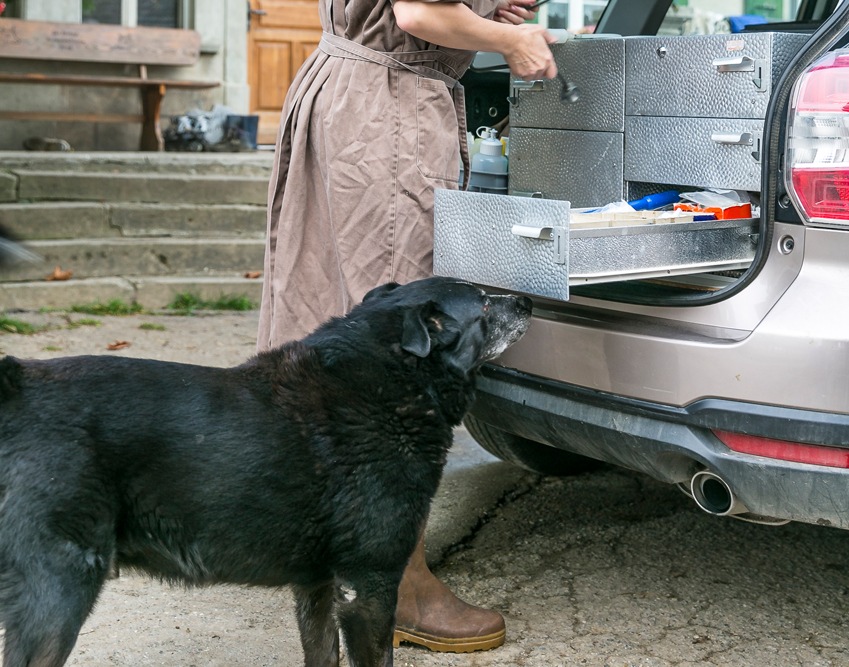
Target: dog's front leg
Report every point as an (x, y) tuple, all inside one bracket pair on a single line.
[(319, 634), (366, 612)]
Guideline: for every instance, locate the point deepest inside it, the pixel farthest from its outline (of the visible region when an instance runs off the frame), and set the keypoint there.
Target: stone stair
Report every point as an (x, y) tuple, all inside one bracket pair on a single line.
[(140, 227)]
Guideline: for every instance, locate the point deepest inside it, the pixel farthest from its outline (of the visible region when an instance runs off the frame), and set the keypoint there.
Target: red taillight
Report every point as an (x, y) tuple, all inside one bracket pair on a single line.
[(818, 142), (785, 451), (822, 193)]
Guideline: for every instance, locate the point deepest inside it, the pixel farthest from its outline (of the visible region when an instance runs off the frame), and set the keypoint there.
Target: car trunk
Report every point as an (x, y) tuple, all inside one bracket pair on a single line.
[(647, 309), (630, 117)]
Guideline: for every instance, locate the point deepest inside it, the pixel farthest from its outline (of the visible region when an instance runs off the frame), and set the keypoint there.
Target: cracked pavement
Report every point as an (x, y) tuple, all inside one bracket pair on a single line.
[(608, 569)]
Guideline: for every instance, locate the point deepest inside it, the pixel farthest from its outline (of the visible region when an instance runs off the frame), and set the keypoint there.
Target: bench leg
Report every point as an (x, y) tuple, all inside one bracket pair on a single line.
[(151, 136)]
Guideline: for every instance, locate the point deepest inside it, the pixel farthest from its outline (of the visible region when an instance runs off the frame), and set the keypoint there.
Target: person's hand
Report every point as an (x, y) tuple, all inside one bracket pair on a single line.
[(528, 55), (515, 12)]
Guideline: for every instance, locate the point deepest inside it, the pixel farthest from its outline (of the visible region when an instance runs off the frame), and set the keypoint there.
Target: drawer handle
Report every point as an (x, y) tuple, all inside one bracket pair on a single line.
[(733, 139), (528, 232), (739, 64), (519, 85), (560, 247), (536, 84)]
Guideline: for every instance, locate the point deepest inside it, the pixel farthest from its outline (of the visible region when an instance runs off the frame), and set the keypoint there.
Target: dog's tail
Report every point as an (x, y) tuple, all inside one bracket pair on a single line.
[(11, 374), (12, 252)]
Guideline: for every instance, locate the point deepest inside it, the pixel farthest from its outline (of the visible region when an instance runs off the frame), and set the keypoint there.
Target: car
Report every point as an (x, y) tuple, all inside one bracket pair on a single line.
[(732, 384)]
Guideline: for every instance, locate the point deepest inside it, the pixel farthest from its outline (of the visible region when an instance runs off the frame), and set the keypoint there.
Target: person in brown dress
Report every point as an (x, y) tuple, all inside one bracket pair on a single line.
[(372, 123)]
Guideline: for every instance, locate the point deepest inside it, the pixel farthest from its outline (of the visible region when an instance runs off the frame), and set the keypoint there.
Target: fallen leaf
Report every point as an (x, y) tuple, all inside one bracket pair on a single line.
[(59, 274), (118, 345), (253, 274)]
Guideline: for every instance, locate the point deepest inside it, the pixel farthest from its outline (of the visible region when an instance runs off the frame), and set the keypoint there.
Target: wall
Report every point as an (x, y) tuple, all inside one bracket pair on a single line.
[(222, 24)]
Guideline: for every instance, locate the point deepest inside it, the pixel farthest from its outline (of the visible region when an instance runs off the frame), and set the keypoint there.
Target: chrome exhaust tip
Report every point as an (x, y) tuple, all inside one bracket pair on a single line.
[(713, 495)]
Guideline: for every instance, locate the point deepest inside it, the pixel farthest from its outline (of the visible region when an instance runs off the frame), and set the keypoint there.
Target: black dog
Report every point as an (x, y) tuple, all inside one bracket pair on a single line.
[(312, 465)]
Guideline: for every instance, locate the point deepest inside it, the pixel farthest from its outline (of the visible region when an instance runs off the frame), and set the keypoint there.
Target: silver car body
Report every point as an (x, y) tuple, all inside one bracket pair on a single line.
[(652, 387)]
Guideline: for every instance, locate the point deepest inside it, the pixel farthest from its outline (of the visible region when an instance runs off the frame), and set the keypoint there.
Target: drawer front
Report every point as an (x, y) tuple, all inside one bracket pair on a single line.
[(498, 240), (594, 68), (584, 168), (726, 76), (703, 152)]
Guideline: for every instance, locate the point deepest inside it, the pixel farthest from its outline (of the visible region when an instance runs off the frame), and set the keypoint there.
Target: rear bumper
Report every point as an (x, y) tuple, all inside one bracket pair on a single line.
[(671, 444)]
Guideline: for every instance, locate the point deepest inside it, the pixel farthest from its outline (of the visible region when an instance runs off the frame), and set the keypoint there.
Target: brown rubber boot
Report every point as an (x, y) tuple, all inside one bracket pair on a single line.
[(430, 615)]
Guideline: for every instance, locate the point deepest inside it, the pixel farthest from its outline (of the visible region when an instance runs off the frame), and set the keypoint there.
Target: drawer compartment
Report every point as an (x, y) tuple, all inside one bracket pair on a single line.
[(584, 168), (711, 152), (535, 246), (594, 68), (725, 76)]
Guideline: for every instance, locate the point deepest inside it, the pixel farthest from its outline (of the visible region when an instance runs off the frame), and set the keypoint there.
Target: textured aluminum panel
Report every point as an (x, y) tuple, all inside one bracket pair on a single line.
[(680, 75), (619, 253), (584, 168), (473, 240), (681, 151), (595, 65)]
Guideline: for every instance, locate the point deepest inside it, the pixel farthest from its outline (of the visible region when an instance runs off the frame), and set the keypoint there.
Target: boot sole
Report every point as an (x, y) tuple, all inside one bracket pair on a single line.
[(449, 644)]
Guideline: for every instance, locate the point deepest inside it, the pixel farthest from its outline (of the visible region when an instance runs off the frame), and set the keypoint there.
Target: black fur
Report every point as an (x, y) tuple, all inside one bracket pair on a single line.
[(312, 465)]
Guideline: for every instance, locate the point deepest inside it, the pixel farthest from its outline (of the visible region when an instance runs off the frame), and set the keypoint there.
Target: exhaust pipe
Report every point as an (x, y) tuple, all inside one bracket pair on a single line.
[(714, 496)]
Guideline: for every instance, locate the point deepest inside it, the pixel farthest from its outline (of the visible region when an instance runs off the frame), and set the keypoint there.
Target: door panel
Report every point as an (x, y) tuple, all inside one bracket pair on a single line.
[(283, 33)]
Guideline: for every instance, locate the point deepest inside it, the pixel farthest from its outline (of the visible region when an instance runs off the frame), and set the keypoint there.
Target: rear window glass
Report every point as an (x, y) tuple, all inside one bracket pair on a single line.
[(688, 17)]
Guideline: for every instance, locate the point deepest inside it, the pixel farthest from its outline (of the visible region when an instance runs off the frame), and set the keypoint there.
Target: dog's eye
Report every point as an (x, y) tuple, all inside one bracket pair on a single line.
[(486, 307)]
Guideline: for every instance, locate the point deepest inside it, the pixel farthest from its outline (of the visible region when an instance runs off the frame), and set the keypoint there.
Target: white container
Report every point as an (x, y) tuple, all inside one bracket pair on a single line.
[(489, 166)]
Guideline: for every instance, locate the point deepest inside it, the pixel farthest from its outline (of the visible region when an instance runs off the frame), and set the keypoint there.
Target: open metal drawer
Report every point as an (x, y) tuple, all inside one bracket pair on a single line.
[(535, 246)]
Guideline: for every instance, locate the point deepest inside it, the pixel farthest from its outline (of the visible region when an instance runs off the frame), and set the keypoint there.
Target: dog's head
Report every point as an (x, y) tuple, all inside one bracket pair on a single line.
[(451, 318)]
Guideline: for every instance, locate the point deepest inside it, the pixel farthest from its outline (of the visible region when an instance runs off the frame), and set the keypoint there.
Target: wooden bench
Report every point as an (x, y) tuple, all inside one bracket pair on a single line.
[(109, 44)]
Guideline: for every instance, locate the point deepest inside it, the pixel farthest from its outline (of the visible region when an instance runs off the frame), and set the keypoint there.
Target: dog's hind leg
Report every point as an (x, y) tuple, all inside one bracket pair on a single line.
[(319, 634), (42, 614), (367, 619)]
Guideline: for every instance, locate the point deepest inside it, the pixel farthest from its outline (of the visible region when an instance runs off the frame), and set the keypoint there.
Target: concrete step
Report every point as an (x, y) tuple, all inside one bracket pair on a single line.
[(67, 220), (223, 164), (140, 227), (150, 293), (105, 257), (131, 187)]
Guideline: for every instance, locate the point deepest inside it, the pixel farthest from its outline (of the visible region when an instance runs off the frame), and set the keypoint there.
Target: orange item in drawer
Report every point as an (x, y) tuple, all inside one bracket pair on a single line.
[(727, 213)]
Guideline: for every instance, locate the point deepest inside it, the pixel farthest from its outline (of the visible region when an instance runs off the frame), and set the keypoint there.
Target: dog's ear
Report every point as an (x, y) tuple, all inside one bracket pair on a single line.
[(380, 290), (415, 338), (415, 335)]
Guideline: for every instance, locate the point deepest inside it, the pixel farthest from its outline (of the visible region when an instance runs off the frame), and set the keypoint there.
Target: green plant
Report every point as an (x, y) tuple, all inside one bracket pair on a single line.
[(83, 322), (113, 307), (151, 326), (11, 325), (186, 303)]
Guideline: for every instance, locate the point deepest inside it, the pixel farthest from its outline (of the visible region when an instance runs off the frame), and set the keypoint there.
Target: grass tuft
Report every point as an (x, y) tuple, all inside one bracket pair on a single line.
[(113, 307), (83, 322), (11, 325), (186, 303)]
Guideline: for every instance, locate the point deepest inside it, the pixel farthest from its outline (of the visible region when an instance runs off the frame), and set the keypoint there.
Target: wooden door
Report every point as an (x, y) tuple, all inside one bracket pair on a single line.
[(283, 33)]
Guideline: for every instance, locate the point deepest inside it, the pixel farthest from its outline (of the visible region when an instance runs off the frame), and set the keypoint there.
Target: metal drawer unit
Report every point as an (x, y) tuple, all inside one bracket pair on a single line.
[(582, 167), (566, 135), (694, 106), (536, 246)]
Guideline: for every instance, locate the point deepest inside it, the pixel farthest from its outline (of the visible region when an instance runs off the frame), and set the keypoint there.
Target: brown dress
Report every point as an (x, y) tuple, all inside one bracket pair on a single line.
[(366, 135)]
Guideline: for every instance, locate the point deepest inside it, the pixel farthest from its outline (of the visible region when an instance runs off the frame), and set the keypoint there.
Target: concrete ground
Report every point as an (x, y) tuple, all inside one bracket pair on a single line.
[(608, 569)]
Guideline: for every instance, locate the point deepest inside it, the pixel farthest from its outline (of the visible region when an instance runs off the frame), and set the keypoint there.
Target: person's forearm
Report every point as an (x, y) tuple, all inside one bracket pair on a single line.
[(450, 24), (454, 25)]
